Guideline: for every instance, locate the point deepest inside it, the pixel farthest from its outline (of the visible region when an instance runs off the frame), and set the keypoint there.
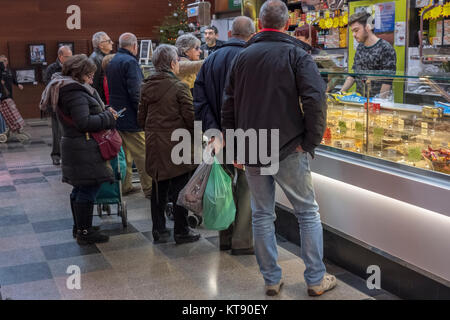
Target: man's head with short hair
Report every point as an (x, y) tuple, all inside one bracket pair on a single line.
[(129, 41), (211, 35), (242, 28), (361, 25), (64, 53), (101, 41), (165, 58), (274, 14)]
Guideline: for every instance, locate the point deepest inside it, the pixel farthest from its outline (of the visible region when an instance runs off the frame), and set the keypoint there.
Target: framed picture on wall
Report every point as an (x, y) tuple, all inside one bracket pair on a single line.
[(67, 44), (26, 75), (146, 49), (37, 53)]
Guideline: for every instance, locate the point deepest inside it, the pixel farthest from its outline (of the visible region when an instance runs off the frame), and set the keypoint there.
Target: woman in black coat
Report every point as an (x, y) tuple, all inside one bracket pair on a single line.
[(81, 111)]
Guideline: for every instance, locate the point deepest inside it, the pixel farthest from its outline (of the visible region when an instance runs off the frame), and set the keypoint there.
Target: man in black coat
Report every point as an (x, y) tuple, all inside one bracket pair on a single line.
[(64, 53), (102, 44), (208, 91), (274, 91)]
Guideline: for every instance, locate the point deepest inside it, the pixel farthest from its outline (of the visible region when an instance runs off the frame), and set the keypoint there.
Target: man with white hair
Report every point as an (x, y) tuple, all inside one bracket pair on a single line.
[(208, 91), (64, 53), (124, 83), (102, 44), (274, 85)]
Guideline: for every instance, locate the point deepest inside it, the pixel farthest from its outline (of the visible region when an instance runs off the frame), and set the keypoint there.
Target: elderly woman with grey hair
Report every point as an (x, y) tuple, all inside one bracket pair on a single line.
[(189, 50), (165, 106)]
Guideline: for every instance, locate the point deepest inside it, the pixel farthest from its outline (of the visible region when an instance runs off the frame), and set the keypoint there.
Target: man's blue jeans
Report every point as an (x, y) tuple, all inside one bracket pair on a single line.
[(294, 177)]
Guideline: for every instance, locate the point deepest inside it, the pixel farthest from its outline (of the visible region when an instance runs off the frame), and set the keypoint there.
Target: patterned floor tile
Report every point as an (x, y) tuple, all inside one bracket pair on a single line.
[(39, 180), (53, 225), (21, 256), (67, 250), (174, 251), (9, 188), (86, 263), (24, 273), (54, 237), (123, 242), (13, 220), (19, 242), (22, 171), (11, 210), (35, 290), (16, 231)]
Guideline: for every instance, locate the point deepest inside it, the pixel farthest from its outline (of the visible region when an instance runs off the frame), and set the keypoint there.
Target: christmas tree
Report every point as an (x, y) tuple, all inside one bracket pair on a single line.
[(174, 24)]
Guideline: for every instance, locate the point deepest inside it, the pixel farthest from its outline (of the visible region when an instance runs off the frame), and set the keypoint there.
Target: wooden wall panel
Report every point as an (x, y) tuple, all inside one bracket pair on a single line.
[(44, 21)]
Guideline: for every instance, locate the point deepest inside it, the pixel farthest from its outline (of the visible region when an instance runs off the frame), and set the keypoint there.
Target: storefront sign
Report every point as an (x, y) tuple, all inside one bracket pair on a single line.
[(234, 4), (384, 17)]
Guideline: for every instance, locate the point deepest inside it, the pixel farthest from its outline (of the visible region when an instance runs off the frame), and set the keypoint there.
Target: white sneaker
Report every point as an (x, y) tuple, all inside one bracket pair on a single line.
[(328, 283)]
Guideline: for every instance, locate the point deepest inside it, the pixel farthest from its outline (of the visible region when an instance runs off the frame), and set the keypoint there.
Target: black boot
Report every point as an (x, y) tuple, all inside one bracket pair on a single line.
[(74, 229), (161, 236), (85, 233), (190, 236)]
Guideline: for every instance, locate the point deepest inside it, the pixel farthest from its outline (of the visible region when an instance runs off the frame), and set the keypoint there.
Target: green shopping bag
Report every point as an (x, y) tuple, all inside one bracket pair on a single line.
[(218, 204)]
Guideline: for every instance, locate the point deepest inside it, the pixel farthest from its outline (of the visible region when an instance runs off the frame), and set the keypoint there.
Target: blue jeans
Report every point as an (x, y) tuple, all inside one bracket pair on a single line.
[(294, 177), (85, 194)]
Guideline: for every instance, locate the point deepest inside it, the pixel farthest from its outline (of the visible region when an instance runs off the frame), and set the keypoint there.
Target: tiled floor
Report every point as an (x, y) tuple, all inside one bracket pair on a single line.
[(36, 247)]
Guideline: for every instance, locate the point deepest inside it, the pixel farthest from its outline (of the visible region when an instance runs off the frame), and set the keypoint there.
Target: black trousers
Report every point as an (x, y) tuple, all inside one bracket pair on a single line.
[(56, 133), (161, 192)]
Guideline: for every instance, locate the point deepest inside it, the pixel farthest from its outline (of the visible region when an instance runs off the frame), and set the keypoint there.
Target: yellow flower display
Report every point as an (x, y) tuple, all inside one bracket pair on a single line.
[(446, 10), (328, 23), (335, 22), (435, 12)]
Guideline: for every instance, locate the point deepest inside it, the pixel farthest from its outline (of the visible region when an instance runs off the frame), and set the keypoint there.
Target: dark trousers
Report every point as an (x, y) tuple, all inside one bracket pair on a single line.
[(161, 192), (56, 133), (85, 194), (82, 202)]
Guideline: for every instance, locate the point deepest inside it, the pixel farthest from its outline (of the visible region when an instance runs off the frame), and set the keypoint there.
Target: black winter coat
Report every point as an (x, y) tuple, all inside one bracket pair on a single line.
[(82, 163), (275, 84), (8, 79), (97, 57), (210, 82), (51, 70)]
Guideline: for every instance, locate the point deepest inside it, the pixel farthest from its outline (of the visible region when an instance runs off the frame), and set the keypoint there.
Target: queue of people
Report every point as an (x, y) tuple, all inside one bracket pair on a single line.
[(253, 81)]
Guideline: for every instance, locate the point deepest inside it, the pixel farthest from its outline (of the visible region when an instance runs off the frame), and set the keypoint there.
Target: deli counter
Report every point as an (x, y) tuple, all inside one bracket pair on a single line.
[(382, 176)]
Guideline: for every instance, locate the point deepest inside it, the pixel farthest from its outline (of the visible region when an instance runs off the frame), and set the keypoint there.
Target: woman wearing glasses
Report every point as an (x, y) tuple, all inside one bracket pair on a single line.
[(80, 111), (189, 50)]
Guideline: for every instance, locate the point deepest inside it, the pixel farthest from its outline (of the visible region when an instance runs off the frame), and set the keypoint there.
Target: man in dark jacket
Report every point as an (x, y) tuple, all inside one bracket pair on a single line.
[(124, 82), (102, 44), (274, 86), (208, 91), (8, 79), (64, 53), (212, 42)]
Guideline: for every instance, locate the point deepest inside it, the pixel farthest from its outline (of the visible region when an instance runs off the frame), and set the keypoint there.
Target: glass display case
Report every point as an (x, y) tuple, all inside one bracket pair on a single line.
[(375, 123)]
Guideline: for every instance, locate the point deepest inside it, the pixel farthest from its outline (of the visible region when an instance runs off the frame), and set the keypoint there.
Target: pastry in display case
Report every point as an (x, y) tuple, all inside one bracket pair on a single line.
[(413, 135)]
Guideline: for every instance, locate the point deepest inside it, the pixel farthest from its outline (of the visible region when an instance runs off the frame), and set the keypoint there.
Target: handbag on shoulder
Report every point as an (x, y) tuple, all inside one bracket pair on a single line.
[(109, 140)]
